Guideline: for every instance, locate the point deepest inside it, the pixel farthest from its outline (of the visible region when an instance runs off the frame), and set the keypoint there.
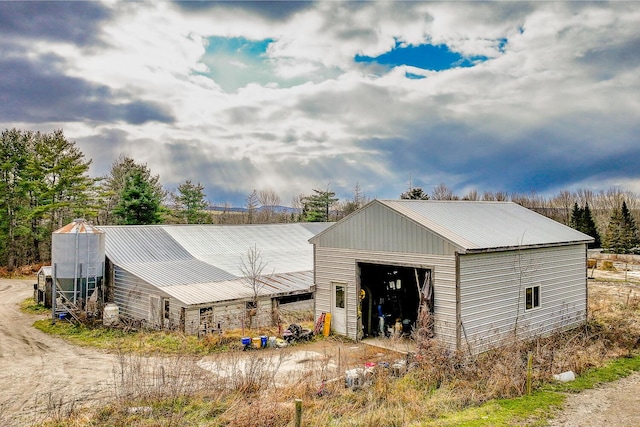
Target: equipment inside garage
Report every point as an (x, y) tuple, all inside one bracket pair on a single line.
[(391, 297)]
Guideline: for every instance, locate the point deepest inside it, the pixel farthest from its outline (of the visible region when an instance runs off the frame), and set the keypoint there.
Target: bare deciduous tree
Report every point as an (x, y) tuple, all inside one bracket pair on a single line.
[(472, 195), (269, 200), (252, 266), (442, 192), (251, 205)]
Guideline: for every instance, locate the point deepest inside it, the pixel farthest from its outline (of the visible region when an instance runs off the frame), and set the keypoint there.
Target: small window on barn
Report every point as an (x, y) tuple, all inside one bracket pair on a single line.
[(532, 297), (251, 305), (339, 296), (167, 311)]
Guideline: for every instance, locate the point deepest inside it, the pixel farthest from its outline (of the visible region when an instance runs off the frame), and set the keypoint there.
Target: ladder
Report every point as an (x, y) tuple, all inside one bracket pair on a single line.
[(92, 272)]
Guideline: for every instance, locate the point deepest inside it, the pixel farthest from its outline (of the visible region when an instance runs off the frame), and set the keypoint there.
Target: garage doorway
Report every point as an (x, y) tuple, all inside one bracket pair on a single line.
[(391, 298)]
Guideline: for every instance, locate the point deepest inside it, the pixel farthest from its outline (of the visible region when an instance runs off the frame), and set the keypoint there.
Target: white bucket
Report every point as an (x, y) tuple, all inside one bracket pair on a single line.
[(111, 315), (565, 377)]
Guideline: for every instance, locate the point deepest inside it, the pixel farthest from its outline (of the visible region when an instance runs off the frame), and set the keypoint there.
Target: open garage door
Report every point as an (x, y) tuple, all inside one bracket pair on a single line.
[(392, 297)]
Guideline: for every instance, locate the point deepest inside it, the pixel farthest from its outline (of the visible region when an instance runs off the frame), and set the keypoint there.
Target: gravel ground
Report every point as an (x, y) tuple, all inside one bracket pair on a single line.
[(43, 375), (615, 404)]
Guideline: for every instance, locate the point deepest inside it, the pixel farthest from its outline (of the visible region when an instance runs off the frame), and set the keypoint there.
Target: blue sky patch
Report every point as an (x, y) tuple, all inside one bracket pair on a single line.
[(234, 62), (426, 56), (413, 76)]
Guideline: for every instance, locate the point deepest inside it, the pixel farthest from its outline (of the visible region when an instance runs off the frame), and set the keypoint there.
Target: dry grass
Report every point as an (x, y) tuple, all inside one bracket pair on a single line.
[(156, 391)]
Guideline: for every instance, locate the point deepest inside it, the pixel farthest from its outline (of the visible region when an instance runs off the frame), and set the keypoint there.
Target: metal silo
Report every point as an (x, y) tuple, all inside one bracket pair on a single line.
[(77, 258)]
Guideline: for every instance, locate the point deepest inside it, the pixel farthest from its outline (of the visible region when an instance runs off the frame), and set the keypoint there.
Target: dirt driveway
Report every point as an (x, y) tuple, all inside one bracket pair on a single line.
[(615, 404), (40, 374)]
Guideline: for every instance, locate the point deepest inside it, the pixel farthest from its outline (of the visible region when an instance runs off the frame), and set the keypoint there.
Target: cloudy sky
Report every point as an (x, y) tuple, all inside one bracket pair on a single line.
[(291, 96)]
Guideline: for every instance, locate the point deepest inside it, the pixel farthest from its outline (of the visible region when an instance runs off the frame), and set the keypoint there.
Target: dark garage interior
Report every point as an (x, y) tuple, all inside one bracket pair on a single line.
[(391, 298)]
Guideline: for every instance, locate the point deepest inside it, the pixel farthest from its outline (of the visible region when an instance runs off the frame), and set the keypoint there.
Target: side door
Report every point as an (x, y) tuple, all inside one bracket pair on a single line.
[(339, 308)]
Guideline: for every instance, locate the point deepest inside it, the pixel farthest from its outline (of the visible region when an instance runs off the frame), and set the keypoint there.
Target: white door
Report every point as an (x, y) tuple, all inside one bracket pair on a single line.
[(338, 308)]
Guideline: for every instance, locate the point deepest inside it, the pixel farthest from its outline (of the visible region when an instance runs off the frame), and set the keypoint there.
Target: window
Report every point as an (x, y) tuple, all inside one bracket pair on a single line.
[(206, 316), (532, 297), (167, 311), (339, 296)]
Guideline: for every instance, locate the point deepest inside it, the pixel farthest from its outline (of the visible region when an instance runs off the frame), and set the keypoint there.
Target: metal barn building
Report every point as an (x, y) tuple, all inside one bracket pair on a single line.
[(483, 269), (190, 277)]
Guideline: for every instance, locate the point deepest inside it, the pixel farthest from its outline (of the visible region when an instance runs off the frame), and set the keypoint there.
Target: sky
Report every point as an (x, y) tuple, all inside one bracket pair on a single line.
[(294, 96)]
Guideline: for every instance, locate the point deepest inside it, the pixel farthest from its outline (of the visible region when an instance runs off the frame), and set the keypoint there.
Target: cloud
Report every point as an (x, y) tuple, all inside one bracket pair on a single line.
[(38, 91), (74, 22), (244, 96), (273, 10)]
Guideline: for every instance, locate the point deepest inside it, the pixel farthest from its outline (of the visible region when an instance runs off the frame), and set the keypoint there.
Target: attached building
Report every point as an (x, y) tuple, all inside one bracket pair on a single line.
[(484, 269), (190, 277)]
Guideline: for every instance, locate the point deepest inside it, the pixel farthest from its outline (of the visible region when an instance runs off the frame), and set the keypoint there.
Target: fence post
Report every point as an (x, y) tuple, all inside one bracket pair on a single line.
[(298, 418), (529, 372)]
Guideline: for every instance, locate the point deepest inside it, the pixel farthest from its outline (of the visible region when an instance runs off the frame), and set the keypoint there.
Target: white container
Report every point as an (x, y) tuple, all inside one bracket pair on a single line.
[(565, 377), (111, 315)]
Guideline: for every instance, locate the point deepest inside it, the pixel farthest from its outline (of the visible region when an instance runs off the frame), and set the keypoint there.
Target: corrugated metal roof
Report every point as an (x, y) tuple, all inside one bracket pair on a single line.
[(78, 225), (206, 293), (187, 260), (480, 226), (284, 248), (487, 225), (46, 270)]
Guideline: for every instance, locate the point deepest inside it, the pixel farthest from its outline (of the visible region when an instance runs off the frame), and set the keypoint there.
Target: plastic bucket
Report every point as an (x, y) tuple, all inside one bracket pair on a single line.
[(263, 341), (246, 341)]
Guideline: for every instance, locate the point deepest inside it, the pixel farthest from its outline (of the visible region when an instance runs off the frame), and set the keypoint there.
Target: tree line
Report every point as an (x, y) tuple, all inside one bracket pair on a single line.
[(45, 184)]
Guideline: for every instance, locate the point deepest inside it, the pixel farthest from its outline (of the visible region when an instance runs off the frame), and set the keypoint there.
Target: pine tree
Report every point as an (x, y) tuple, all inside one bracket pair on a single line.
[(630, 231), (577, 215), (317, 207), (614, 236), (582, 220), (589, 227), (191, 202), (15, 152), (113, 185), (139, 203), (415, 193)]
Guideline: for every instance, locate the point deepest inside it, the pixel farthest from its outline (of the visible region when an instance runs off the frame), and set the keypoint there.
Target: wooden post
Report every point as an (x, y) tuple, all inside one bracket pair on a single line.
[(298, 417), (529, 372)]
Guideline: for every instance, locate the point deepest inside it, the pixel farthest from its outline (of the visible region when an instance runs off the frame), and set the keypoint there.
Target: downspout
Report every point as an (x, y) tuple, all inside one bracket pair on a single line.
[(458, 313), (315, 288), (75, 273), (586, 283)]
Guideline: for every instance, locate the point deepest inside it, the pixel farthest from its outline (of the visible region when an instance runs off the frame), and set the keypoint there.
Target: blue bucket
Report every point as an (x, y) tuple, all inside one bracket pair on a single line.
[(246, 341), (263, 341)]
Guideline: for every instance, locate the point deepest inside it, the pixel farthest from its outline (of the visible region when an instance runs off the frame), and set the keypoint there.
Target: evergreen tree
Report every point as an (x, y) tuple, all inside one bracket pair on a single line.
[(630, 231), (44, 184), (582, 220), (577, 215), (589, 227), (190, 201), (113, 184), (14, 202), (614, 237), (317, 207), (139, 203), (415, 193)]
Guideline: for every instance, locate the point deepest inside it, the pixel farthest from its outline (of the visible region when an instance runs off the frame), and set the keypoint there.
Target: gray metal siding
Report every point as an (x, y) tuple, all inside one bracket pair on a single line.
[(132, 295), (378, 228), (340, 265), (492, 293)]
